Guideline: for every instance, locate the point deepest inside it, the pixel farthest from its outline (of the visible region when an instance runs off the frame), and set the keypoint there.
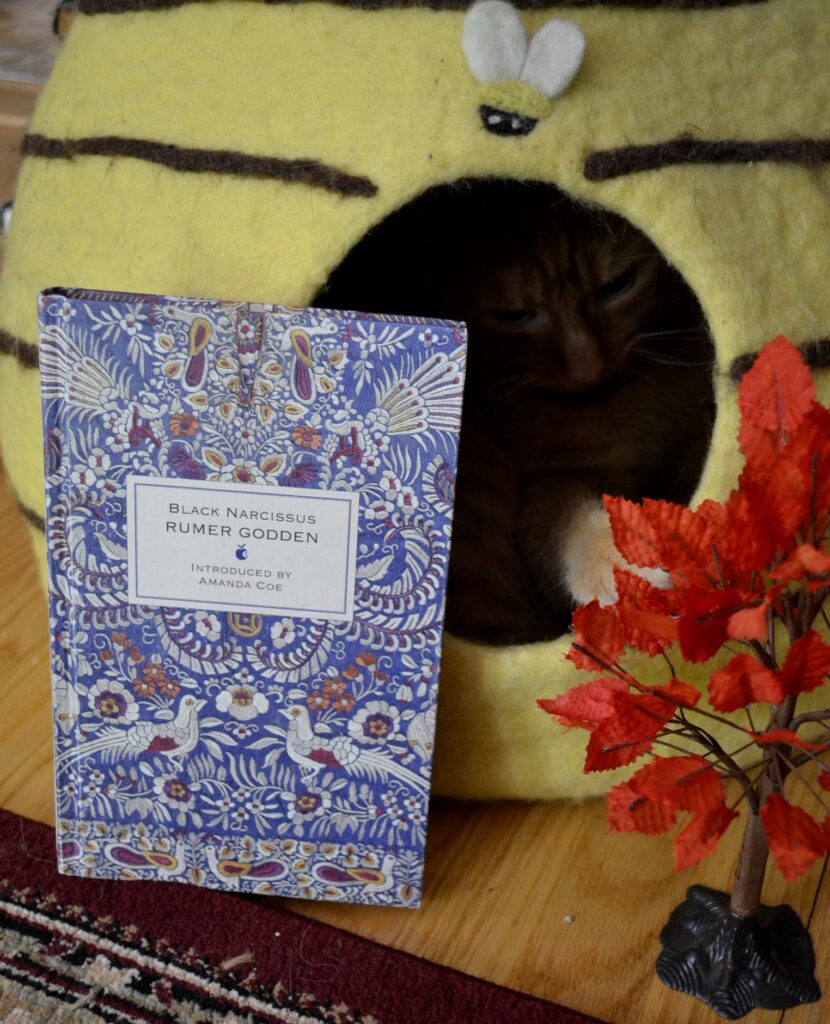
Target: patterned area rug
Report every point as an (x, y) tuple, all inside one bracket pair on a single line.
[(84, 951)]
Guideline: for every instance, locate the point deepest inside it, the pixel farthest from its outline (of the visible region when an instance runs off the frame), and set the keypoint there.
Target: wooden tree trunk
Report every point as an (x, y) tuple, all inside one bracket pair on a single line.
[(752, 864)]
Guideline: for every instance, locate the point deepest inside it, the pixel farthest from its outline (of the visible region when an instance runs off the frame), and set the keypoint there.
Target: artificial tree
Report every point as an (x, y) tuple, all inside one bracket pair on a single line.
[(750, 575)]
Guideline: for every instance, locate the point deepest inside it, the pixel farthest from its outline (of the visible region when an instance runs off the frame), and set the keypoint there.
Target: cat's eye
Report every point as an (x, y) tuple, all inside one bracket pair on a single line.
[(514, 317), (618, 286)]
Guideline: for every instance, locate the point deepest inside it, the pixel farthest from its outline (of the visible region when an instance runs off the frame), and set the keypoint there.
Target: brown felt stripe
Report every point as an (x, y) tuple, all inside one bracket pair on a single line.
[(215, 161), (32, 517), (123, 6), (816, 355), (614, 163), (23, 351)]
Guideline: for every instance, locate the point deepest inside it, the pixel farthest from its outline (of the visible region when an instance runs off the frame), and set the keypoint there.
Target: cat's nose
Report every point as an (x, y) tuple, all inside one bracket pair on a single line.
[(584, 362)]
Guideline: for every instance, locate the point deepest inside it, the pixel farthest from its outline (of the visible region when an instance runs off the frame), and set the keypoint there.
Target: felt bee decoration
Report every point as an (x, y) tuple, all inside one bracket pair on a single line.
[(521, 78)]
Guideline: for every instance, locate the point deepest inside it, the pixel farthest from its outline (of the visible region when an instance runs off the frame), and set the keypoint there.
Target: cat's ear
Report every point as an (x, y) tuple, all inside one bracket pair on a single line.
[(554, 57), (494, 41)]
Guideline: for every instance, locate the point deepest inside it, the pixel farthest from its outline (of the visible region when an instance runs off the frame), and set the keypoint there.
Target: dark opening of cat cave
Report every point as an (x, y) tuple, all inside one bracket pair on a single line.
[(589, 372)]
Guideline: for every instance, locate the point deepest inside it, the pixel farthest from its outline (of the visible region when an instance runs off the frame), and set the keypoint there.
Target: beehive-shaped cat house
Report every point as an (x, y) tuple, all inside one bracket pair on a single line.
[(240, 148)]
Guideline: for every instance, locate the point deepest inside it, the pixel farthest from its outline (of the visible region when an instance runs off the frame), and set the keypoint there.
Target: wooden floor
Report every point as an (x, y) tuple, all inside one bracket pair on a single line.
[(539, 898)]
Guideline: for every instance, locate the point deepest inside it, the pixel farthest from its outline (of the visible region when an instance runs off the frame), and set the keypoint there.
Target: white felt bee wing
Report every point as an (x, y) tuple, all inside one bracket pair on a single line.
[(494, 41), (554, 57), (497, 50)]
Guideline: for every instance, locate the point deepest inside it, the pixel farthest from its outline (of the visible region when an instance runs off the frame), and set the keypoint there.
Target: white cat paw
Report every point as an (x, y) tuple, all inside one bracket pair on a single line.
[(589, 558)]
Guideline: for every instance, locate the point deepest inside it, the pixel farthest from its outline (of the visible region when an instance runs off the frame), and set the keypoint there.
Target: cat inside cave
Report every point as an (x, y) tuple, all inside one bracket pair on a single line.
[(589, 372)]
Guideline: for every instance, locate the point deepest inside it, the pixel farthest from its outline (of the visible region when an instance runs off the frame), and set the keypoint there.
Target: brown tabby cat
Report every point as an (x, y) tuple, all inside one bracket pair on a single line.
[(589, 372)]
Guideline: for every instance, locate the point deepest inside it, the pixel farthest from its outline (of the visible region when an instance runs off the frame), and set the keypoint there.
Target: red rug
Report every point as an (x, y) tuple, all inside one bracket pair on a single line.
[(83, 951)]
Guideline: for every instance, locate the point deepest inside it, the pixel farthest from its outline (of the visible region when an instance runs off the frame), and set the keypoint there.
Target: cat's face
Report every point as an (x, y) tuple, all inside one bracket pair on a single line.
[(558, 297), (564, 297)]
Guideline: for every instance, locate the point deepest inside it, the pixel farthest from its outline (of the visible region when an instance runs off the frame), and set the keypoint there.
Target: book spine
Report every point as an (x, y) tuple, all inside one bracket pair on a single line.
[(58, 476)]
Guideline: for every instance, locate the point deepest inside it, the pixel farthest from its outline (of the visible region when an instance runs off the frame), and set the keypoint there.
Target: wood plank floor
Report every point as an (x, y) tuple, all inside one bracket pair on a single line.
[(540, 898)]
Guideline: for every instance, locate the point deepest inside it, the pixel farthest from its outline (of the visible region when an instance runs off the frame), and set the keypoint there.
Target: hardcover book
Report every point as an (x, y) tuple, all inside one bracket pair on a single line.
[(248, 519)]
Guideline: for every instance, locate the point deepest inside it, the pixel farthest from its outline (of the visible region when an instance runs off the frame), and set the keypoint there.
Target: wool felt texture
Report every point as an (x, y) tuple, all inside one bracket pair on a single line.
[(729, 90)]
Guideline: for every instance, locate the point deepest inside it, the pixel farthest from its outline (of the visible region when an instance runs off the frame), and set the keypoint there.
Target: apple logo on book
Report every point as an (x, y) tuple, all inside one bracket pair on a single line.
[(241, 553)]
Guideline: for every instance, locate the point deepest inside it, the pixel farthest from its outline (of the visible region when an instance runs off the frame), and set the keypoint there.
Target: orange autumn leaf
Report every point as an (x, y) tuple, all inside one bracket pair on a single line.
[(795, 839), (744, 680)]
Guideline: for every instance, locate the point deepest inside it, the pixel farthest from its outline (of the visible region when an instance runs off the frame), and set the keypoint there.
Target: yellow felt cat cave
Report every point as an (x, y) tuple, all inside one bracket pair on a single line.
[(240, 148)]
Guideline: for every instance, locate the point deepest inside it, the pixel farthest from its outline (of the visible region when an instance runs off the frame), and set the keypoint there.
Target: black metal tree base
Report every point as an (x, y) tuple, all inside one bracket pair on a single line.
[(733, 963)]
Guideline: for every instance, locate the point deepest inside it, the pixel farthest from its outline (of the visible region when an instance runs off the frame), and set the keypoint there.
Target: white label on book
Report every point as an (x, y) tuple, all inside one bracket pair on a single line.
[(241, 547)]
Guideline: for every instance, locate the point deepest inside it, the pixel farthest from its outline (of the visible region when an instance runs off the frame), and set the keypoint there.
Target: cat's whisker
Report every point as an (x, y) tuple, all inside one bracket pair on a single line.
[(674, 332), (668, 360)]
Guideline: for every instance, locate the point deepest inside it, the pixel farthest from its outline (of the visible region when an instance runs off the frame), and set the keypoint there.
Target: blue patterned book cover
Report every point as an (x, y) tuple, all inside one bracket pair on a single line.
[(248, 518)]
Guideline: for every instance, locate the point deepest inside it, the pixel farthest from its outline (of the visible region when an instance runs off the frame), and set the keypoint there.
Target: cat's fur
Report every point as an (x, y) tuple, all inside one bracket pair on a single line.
[(589, 372)]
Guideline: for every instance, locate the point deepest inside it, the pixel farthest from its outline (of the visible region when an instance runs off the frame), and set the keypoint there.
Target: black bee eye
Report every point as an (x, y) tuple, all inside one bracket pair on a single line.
[(514, 317), (618, 286)]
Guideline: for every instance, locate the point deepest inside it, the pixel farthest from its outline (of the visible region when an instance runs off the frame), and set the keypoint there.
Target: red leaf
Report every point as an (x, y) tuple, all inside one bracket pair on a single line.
[(704, 625), (760, 522), (786, 736), (810, 449), (805, 560), (751, 623), (586, 705), (778, 391), (743, 681), (647, 614), (700, 837), (685, 783), (795, 839), (806, 664), (597, 630), (629, 811), (787, 482), (662, 535), (602, 755), (676, 690), (627, 733)]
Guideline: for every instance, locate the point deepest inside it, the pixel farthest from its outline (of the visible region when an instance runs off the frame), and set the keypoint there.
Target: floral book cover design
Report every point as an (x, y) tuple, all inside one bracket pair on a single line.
[(248, 515)]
